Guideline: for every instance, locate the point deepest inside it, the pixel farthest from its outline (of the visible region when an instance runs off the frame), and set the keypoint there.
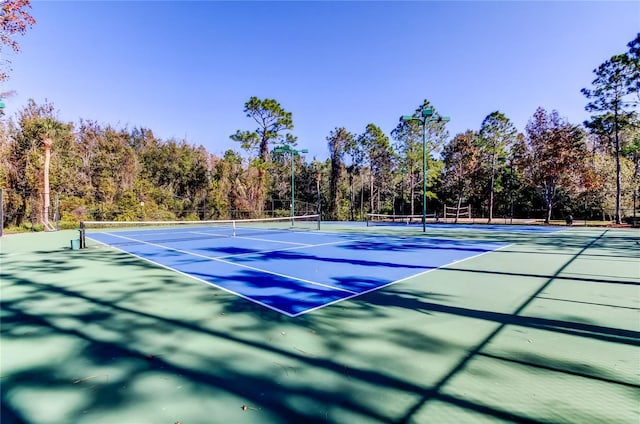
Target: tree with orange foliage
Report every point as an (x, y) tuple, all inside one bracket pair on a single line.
[(14, 20)]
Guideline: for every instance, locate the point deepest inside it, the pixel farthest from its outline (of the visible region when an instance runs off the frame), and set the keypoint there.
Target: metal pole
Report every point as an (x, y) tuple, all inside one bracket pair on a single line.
[(511, 192), (83, 240), (424, 174), (292, 188), (402, 193), (319, 207), (426, 117)]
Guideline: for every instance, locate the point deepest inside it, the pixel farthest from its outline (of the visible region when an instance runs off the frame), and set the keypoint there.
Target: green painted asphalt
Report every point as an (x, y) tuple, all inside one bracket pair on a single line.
[(543, 330)]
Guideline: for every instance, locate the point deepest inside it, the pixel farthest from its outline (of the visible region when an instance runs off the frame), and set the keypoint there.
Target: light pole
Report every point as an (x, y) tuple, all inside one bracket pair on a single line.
[(319, 205), (288, 149), (426, 116), (511, 190), (403, 172)]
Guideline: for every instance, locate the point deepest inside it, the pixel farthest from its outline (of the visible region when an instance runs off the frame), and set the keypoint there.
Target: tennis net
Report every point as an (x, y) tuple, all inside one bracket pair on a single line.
[(388, 219), (126, 232)]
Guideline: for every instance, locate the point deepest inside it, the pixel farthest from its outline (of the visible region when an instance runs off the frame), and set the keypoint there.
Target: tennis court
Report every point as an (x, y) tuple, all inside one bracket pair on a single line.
[(348, 323), (292, 272)]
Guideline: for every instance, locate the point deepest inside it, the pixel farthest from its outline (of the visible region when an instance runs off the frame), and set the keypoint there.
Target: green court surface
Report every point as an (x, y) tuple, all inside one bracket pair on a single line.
[(545, 329)]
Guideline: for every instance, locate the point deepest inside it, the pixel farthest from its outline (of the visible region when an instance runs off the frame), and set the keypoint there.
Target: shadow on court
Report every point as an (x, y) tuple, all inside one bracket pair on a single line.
[(98, 336)]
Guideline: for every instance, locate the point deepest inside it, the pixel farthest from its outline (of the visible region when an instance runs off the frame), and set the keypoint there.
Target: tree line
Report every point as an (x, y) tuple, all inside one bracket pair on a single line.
[(50, 169)]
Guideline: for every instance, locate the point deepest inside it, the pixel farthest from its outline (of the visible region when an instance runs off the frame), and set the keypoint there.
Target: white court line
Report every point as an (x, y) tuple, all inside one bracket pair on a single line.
[(272, 241), (210, 234), (209, 283), (282, 250), (168, 231), (251, 238), (399, 281), (218, 259), (294, 315)]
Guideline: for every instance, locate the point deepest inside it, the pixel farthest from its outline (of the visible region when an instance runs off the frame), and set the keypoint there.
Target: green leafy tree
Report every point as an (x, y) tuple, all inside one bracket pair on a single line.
[(113, 170), (616, 81), (321, 172), (497, 134), (339, 141), (279, 187), (39, 129), (50, 129), (5, 151), (232, 183), (632, 151), (461, 159), (273, 122), (354, 162), (597, 182), (379, 155), (556, 149), (88, 135), (181, 170), (633, 79), (142, 139), (408, 145), (307, 186), (12, 176), (518, 184)]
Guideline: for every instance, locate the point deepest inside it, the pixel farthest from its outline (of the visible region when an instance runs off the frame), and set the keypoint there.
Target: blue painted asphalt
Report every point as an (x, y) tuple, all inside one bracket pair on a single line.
[(291, 272)]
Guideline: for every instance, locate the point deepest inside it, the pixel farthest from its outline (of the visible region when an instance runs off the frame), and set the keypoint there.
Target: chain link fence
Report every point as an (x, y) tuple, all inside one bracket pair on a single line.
[(24, 211)]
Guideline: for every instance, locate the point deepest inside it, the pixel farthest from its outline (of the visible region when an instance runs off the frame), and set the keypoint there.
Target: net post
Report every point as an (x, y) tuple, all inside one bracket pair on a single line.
[(367, 218), (233, 224), (83, 240), (319, 219)]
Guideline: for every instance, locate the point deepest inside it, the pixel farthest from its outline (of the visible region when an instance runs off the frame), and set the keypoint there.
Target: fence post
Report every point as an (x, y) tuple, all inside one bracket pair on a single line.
[(56, 212), (32, 202)]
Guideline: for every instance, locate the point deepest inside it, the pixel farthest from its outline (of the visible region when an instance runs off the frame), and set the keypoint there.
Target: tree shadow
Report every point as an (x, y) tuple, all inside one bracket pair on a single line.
[(118, 341)]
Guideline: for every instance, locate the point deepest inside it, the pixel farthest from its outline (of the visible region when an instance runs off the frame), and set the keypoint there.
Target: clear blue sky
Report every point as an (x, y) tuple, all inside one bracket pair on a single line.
[(185, 69)]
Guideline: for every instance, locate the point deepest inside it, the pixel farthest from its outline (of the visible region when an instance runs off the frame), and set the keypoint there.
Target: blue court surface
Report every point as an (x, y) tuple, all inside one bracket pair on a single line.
[(293, 272)]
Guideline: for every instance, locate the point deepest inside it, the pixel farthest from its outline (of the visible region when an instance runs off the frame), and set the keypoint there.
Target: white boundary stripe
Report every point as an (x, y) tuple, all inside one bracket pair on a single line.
[(219, 259), (315, 283), (213, 234), (213, 258), (281, 250), (200, 280), (272, 241), (398, 281)]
